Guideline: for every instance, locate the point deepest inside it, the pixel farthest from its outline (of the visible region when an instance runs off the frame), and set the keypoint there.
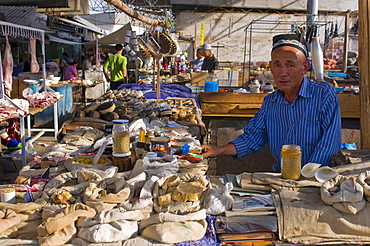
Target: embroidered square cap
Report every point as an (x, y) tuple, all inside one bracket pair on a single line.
[(293, 40)]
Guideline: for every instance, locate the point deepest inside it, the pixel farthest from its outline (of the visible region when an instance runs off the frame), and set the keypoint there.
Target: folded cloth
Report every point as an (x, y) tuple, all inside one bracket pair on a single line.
[(275, 179), (304, 218)]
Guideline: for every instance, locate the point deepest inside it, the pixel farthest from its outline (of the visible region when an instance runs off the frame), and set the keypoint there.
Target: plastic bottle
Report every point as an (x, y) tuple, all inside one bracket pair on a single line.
[(291, 162), (211, 84)]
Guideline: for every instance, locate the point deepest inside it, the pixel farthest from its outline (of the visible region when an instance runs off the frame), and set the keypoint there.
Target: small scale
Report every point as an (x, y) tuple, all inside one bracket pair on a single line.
[(32, 88)]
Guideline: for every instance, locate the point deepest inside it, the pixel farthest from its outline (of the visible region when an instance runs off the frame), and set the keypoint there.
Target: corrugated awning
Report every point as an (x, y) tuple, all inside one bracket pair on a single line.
[(60, 40), (97, 30)]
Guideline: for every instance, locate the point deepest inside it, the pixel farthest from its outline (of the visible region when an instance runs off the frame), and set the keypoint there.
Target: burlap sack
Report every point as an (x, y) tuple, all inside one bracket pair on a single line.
[(344, 194), (28, 170), (8, 218), (172, 228), (178, 207), (114, 231), (71, 165), (61, 228), (364, 180), (24, 230), (92, 174), (145, 199), (94, 192), (57, 183), (82, 136), (142, 241), (81, 242), (24, 207)]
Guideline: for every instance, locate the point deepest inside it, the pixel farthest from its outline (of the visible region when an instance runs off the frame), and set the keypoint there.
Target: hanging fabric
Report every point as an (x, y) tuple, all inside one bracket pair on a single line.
[(34, 64)]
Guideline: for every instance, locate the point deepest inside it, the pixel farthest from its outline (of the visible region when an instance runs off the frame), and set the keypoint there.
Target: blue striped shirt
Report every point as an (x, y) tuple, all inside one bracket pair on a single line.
[(312, 121)]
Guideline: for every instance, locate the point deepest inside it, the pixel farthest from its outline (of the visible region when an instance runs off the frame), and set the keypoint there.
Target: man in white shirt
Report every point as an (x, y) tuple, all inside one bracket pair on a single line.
[(196, 65)]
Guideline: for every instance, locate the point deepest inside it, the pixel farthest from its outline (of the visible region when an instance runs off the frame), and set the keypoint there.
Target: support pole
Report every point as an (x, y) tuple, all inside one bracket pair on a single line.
[(158, 79), (364, 61), (346, 38)]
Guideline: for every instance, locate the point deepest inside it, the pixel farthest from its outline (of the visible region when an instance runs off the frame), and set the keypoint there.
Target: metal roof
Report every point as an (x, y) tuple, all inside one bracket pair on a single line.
[(21, 15)]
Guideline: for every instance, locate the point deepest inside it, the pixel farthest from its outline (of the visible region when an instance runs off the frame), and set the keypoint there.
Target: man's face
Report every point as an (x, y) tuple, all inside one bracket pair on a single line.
[(288, 66), (206, 53), (199, 54)]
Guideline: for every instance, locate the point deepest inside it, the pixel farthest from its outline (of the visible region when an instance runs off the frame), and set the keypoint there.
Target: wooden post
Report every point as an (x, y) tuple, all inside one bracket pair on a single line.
[(346, 38), (364, 61), (158, 79)]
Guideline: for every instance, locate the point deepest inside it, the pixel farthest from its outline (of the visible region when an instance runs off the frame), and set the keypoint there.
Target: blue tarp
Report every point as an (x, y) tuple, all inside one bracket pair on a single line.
[(167, 90)]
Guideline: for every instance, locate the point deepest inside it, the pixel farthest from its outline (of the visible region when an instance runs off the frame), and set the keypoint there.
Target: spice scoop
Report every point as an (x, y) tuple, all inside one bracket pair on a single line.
[(323, 174), (309, 170)]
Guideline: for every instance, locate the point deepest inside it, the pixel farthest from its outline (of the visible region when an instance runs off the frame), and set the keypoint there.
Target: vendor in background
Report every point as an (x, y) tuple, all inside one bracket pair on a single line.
[(117, 65), (71, 72), (196, 64), (210, 62), (87, 64), (300, 111), (64, 64)]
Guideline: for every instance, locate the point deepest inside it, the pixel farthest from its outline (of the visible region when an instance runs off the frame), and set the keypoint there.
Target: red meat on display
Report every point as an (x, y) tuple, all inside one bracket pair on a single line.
[(7, 67)]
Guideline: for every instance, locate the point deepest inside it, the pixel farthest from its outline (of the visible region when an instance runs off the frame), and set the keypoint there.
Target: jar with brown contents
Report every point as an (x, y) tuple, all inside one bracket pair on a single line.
[(121, 137), (291, 162)]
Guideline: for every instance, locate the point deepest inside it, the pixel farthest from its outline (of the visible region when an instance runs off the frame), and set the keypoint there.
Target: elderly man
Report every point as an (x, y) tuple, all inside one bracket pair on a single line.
[(300, 111), (210, 62)]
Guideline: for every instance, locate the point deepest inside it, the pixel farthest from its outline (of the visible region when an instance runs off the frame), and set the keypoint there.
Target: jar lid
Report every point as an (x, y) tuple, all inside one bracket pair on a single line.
[(121, 154), (120, 122), (291, 147), (160, 140)]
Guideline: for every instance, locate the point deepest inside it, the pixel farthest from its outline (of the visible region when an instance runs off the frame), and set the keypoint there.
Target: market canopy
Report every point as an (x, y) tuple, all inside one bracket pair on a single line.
[(117, 37)]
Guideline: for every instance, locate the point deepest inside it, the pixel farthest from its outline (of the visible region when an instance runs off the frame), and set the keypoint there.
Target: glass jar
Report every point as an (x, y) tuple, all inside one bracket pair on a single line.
[(121, 137), (124, 163), (291, 156), (160, 146)]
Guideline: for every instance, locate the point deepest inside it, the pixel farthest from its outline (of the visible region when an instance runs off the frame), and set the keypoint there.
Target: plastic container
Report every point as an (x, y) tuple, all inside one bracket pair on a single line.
[(8, 195), (160, 166), (291, 158), (211, 84), (121, 137)]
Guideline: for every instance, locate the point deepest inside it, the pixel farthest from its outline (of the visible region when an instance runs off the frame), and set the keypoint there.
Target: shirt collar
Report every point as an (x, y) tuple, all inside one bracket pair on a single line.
[(304, 91)]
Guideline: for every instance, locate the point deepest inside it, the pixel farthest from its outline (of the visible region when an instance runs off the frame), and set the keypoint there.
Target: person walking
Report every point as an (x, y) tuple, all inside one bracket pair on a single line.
[(117, 64)]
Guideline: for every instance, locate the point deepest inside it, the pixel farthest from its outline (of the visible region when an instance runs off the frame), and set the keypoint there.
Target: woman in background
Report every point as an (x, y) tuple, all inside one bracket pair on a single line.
[(71, 72)]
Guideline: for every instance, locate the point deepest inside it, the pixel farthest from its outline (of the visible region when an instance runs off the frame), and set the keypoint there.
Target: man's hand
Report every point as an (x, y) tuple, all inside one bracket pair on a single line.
[(209, 151)]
